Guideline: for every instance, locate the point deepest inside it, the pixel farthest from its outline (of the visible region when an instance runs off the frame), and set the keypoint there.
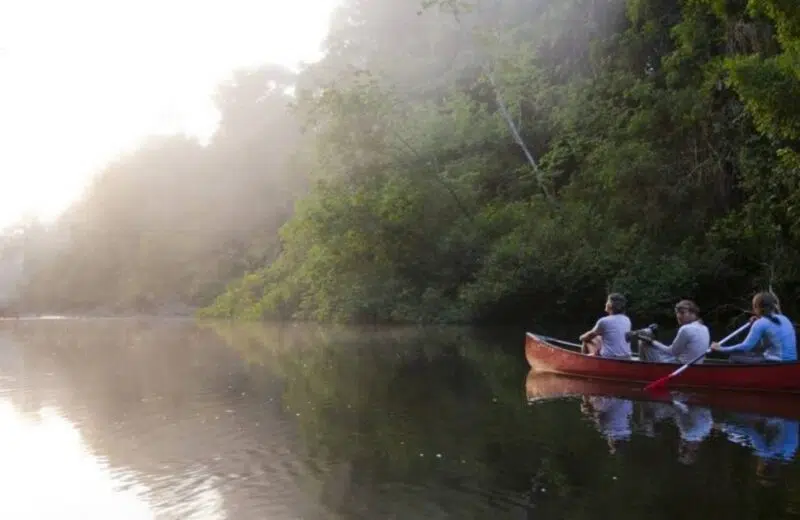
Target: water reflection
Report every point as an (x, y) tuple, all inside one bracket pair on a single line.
[(164, 410), (614, 419), (172, 420), (611, 416), (694, 426), (771, 439), (48, 469)]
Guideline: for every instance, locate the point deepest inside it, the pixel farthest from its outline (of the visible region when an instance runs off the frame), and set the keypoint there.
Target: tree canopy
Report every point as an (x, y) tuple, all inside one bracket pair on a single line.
[(468, 161)]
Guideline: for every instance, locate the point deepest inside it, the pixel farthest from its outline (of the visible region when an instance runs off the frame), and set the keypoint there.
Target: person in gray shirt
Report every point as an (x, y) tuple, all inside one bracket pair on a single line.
[(691, 340), (608, 337)]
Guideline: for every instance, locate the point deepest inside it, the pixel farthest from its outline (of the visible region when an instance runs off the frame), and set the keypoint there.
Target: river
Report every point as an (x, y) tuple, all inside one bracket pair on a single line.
[(171, 419)]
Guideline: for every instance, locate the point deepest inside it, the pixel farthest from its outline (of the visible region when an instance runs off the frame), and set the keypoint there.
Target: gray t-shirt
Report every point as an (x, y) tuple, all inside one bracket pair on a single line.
[(692, 340), (612, 329)]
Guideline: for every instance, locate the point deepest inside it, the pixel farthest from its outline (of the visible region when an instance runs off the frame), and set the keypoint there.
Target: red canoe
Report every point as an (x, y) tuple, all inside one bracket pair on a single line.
[(771, 377)]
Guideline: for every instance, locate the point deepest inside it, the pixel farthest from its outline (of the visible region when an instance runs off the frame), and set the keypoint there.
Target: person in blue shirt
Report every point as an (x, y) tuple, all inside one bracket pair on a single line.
[(771, 330)]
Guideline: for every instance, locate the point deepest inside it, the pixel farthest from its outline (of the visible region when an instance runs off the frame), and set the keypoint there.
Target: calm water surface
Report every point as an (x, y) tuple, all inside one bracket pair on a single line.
[(159, 419)]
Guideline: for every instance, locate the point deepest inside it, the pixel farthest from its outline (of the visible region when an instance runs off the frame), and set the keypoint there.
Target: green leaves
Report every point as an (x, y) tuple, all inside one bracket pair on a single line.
[(769, 88), (523, 158)]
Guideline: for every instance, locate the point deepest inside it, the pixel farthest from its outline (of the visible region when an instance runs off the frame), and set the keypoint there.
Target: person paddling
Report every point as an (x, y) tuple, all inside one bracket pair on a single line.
[(608, 337), (691, 340), (770, 328)]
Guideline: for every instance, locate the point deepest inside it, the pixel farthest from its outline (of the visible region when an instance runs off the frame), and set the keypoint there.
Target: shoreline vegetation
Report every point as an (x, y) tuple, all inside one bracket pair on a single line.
[(460, 162)]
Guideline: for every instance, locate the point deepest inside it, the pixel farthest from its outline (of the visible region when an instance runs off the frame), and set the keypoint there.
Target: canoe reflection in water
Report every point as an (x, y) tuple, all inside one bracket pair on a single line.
[(694, 423), (613, 418), (618, 409)]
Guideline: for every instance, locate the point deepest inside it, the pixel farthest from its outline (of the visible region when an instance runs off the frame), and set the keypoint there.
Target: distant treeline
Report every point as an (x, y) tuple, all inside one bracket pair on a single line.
[(466, 162)]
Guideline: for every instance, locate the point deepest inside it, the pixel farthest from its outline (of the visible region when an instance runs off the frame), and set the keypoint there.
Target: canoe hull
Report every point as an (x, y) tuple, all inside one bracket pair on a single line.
[(770, 377)]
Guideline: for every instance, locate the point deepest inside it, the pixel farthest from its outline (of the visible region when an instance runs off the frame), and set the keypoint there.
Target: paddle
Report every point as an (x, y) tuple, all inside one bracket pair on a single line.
[(660, 383)]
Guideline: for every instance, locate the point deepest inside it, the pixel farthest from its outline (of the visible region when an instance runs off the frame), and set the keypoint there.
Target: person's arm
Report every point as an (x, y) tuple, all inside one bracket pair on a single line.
[(678, 346), (594, 332), (752, 339)]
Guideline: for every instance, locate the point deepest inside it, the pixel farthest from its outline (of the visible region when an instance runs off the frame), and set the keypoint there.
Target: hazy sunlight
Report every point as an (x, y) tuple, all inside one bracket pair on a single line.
[(81, 81)]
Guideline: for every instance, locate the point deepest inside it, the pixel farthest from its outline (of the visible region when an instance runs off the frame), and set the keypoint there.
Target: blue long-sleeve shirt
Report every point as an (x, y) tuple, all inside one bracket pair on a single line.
[(781, 343)]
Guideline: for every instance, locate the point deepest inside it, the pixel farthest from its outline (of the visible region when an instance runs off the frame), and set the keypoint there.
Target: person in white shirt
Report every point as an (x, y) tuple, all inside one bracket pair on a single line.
[(608, 336), (691, 340)]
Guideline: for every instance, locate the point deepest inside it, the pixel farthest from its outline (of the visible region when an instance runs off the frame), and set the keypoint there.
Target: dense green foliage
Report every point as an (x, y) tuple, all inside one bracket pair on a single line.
[(475, 161), (661, 162)]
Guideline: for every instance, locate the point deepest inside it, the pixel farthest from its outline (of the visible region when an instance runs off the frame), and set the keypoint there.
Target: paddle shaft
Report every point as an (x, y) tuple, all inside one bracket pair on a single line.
[(728, 337)]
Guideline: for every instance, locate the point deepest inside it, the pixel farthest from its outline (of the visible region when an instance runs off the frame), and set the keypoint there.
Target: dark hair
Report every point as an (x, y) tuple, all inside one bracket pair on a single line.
[(688, 305), (768, 304), (618, 303)]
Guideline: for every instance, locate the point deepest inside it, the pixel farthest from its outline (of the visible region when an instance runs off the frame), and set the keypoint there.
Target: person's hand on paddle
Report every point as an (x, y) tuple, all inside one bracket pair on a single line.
[(715, 346)]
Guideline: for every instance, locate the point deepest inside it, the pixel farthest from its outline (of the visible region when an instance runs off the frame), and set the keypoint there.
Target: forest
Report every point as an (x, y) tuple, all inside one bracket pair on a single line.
[(476, 161)]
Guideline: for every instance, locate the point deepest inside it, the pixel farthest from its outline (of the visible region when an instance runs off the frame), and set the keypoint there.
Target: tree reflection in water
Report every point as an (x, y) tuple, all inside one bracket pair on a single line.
[(336, 422)]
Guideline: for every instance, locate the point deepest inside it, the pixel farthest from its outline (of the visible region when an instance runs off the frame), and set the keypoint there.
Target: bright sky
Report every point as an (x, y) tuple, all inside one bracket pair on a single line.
[(82, 80)]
